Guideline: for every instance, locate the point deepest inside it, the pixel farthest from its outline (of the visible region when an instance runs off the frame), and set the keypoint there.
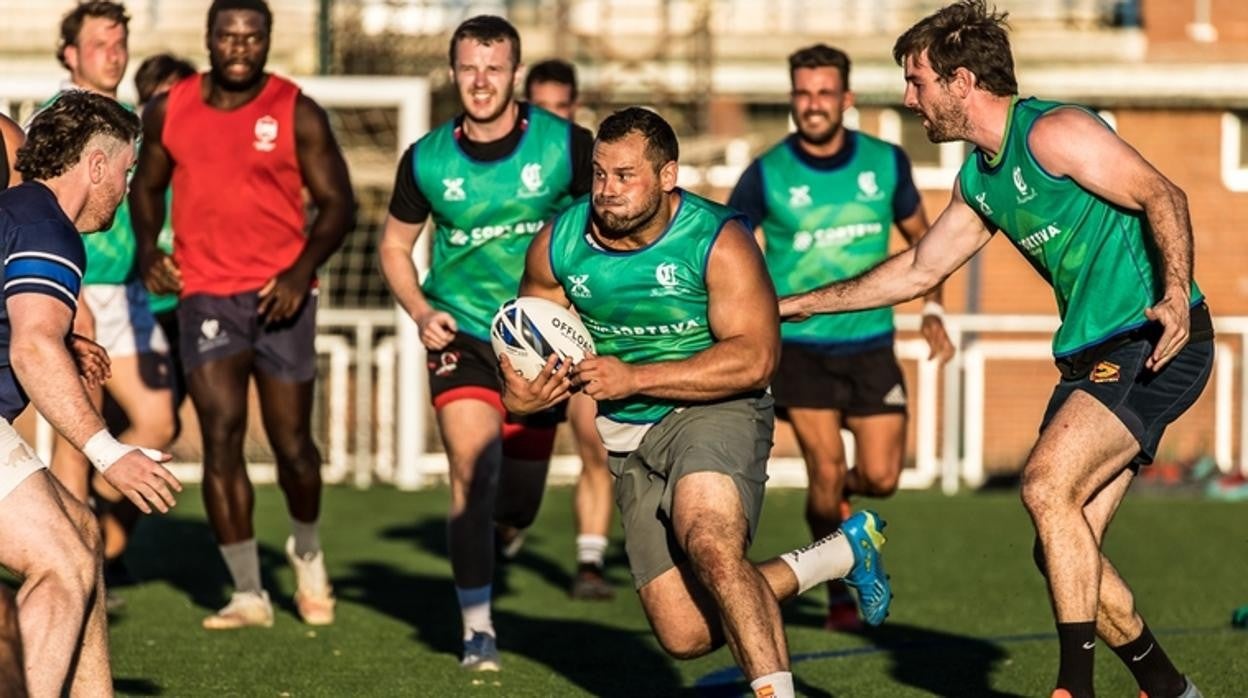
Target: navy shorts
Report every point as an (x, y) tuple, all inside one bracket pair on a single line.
[(218, 327), (1144, 401), (863, 384)]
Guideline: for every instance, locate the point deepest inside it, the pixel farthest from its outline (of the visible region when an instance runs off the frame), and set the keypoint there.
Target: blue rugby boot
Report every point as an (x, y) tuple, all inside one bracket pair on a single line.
[(481, 653), (865, 532)]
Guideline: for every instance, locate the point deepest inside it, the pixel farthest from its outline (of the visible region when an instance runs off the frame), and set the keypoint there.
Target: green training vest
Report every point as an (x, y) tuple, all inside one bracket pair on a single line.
[(1098, 258), (646, 305), (825, 226), (486, 213)]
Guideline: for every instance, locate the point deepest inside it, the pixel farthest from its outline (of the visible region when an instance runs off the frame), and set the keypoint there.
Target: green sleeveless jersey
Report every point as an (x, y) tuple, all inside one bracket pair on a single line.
[(1100, 259), (832, 225), (110, 253), (486, 213), (641, 306)]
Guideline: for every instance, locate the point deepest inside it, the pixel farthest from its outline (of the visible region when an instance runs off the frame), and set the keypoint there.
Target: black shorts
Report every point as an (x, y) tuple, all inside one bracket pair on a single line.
[(217, 327), (468, 362), (1145, 402), (862, 384)]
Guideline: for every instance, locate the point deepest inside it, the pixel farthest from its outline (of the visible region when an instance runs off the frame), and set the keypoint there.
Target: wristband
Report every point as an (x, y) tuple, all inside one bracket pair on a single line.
[(103, 450), (934, 309)]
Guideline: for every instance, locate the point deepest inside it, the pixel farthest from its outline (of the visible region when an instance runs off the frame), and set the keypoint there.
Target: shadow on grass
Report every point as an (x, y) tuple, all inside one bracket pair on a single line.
[(934, 661), (183, 553), (600, 659), (137, 687), (429, 535)]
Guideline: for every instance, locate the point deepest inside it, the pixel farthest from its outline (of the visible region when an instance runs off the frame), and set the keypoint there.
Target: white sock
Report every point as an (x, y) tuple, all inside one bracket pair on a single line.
[(590, 549), (827, 558), (474, 605), (777, 685)]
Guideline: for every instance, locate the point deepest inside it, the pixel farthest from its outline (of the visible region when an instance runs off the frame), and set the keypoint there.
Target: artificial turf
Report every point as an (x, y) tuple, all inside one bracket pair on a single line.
[(971, 617)]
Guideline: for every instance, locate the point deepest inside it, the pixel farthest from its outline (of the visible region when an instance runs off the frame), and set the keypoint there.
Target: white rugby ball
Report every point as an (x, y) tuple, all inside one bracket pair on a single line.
[(529, 330)]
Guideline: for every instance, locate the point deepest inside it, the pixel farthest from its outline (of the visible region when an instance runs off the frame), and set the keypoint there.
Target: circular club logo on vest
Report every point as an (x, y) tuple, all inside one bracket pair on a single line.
[(266, 134), (868, 188), (531, 181), (665, 274)]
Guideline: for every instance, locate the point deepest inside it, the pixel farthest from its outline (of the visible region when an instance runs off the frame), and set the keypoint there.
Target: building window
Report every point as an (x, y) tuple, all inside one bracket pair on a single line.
[(1235, 150), (935, 165)]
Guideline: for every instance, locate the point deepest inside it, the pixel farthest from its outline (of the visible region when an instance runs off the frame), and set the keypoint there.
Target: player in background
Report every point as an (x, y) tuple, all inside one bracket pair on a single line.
[(683, 406), (244, 264), (113, 310), (489, 178), (1113, 237), (822, 203), (551, 85), (154, 77), (74, 165)]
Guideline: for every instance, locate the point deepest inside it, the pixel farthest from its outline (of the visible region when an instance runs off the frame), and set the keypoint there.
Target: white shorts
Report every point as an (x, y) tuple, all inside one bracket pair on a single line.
[(17, 460), (124, 324)]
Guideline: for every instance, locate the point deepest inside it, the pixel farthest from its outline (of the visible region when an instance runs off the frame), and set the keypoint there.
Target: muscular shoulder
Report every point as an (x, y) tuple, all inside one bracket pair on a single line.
[(1063, 137)]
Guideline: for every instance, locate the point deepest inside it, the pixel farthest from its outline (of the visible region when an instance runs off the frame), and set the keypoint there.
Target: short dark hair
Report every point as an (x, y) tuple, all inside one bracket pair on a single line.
[(661, 145), (551, 70), (966, 34), (487, 29), (820, 56), (156, 69), (71, 23), (219, 6), (57, 135)]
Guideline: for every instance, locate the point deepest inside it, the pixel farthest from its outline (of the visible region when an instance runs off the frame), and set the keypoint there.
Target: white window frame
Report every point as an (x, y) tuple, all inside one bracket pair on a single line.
[(1234, 171)]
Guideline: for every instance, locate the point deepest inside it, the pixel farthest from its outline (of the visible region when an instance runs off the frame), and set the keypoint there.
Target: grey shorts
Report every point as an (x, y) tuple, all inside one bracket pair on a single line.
[(218, 327), (732, 437)]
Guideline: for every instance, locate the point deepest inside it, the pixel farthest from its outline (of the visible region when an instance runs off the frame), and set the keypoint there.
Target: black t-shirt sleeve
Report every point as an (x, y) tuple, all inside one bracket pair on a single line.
[(748, 197), (407, 202), (582, 161), (906, 198)]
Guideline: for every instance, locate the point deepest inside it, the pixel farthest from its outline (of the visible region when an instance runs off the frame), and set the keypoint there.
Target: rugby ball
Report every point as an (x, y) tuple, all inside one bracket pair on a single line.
[(529, 330)]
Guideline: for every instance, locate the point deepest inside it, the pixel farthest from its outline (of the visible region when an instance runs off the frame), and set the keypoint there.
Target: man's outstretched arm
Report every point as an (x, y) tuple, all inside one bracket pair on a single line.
[(953, 239)]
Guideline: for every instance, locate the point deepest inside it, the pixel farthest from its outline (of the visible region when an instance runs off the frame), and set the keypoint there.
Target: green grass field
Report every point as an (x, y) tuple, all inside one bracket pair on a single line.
[(970, 619)]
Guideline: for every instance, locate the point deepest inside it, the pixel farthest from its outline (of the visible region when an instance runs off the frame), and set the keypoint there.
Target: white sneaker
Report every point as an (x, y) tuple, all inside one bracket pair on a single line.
[(313, 594), (245, 609)]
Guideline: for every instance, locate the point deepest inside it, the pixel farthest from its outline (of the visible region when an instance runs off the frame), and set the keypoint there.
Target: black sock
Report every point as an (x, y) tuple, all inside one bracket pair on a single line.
[(1150, 666), (1077, 640)]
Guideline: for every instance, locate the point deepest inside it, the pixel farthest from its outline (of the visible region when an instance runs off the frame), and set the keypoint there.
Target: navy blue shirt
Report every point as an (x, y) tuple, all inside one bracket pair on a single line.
[(42, 253), (749, 198)]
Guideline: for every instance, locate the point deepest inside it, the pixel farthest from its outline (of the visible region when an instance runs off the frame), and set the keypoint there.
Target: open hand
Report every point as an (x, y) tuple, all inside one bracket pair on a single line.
[(141, 477)]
